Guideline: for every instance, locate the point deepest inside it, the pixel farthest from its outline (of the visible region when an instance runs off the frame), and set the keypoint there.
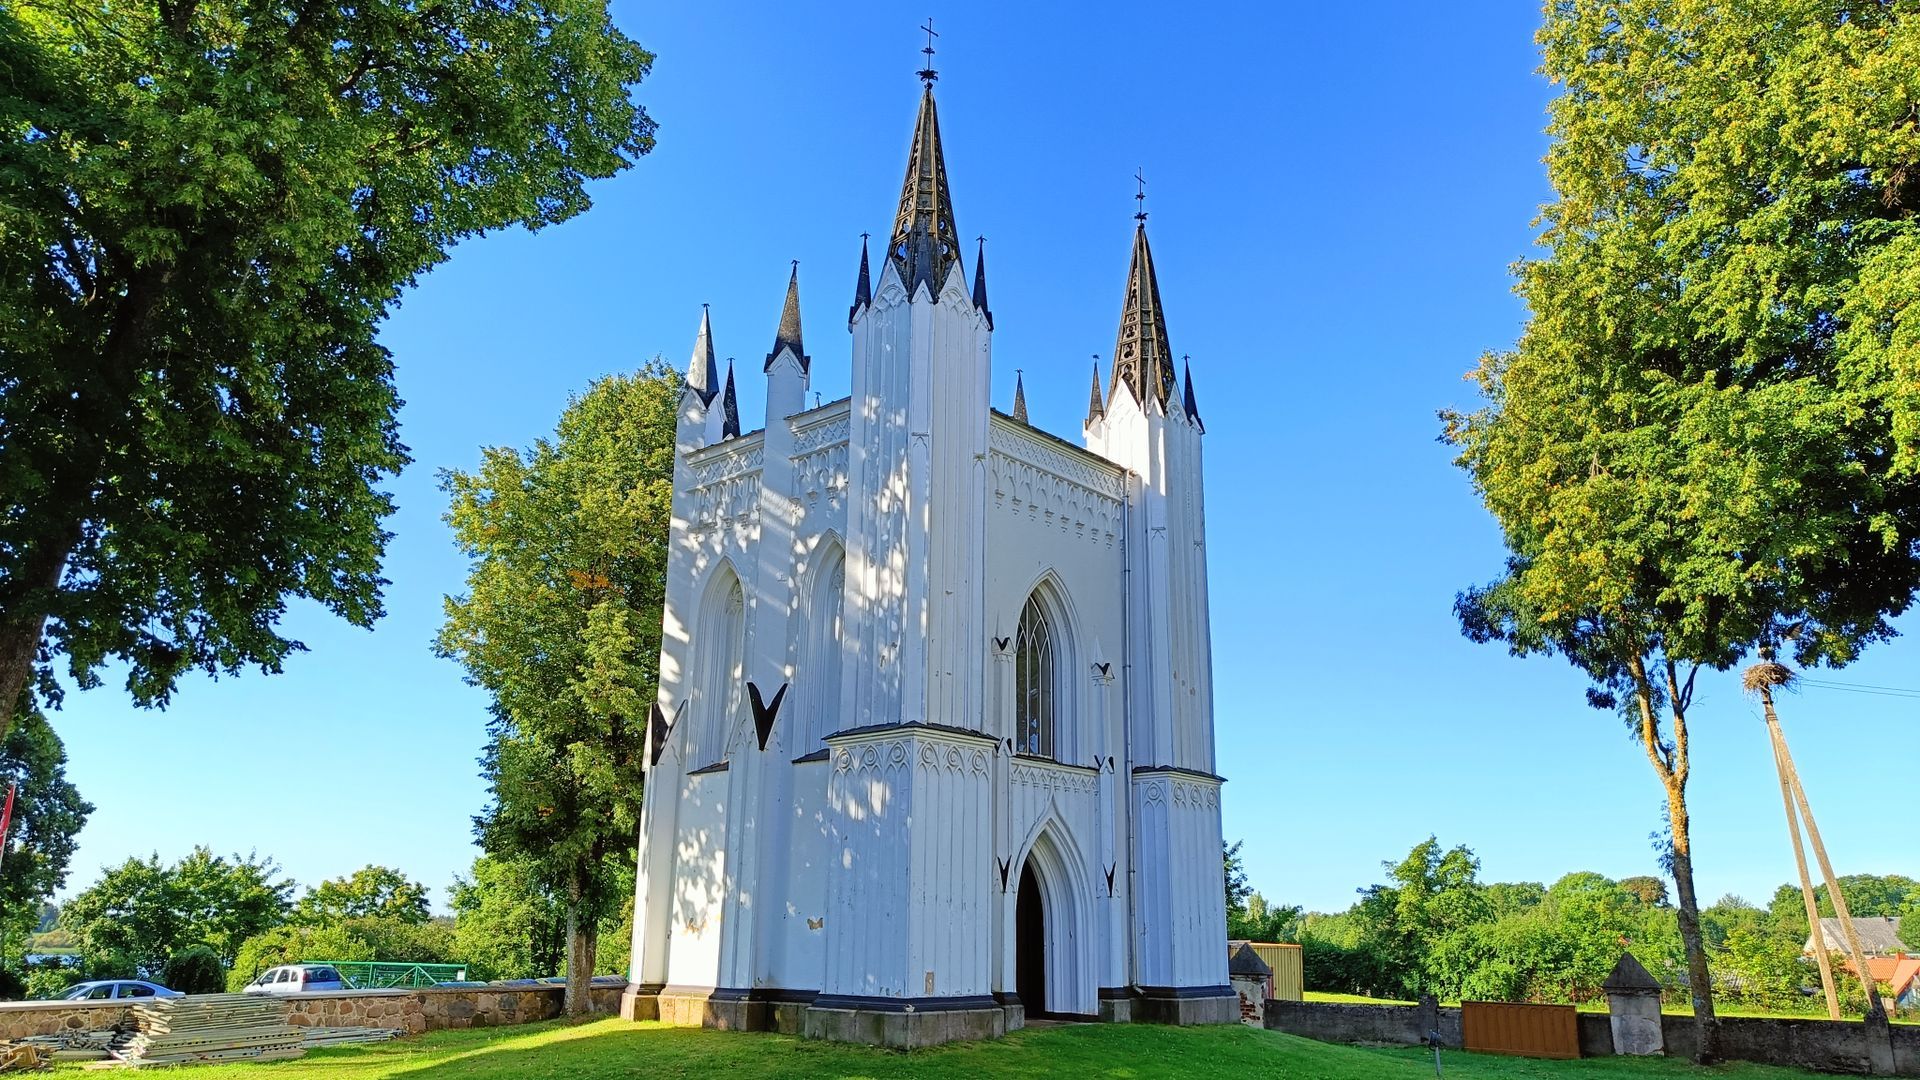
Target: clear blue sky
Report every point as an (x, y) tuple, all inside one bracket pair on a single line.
[(1336, 195)]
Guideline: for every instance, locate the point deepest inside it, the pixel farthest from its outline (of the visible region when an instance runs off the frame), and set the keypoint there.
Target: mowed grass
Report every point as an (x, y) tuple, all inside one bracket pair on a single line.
[(616, 1050)]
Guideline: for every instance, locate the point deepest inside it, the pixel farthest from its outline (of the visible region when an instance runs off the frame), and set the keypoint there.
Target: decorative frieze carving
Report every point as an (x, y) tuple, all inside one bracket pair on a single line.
[(819, 433), (821, 474), (894, 754), (1056, 502), (1084, 469), (1052, 777)]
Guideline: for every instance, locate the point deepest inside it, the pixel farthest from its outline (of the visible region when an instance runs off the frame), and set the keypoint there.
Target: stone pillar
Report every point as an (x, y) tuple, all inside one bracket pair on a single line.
[(1249, 975), (1633, 1007)]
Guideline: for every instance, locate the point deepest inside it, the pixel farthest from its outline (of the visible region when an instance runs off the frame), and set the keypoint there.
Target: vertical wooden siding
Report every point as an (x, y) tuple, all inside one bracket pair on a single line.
[(1288, 982), (1541, 1031)]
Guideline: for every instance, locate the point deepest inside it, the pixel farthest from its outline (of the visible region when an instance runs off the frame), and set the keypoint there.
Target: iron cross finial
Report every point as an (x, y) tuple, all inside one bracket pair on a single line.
[(1140, 196), (927, 74)]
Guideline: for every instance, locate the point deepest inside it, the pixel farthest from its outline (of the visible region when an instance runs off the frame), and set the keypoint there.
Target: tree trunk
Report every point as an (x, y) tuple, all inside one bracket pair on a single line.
[(583, 943), (1699, 979), (25, 619)]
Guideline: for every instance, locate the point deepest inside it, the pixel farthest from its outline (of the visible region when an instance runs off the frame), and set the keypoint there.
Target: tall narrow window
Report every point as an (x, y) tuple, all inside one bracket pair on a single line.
[(823, 678), (1036, 692), (723, 646)]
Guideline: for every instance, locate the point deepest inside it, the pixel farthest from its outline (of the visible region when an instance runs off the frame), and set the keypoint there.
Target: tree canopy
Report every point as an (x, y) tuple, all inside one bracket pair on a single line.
[(143, 911), (561, 626), (370, 892), (1706, 443), (48, 814), (206, 209)]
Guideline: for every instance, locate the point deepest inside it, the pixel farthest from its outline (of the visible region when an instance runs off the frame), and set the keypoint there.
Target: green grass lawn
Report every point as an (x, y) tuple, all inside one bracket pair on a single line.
[(615, 1049)]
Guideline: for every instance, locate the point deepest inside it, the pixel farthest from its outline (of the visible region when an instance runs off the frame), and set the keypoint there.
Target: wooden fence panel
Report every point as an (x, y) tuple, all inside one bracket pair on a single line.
[(1287, 983), (1541, 1031)]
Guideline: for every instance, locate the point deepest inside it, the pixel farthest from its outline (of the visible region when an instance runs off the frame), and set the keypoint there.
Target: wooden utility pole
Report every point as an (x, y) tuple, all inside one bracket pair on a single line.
[(1762, 678)]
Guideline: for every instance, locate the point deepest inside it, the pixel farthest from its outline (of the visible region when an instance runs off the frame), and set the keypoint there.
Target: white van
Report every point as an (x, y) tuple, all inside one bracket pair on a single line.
[(296, 979)]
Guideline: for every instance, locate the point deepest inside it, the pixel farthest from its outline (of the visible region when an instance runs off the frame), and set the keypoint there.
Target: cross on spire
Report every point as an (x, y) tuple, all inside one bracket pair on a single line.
[(927, 74), (1140, 196)]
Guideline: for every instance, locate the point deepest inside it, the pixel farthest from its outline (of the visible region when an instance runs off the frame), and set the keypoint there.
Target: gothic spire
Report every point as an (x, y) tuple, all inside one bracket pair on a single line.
[(1142, 360), (1019, 397), (729, 408), (1096, 408), (1193, 410), (788, 336), (926, 244), (703, 376), (980, 283), (863, 288)]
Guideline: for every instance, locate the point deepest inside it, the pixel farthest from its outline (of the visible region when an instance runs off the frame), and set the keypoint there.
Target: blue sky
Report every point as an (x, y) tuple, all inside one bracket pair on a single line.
[(1336, 198)]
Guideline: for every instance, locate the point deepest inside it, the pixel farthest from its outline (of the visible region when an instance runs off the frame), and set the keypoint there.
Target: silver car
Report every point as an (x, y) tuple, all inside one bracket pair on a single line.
[(296, 979), (115, 990)]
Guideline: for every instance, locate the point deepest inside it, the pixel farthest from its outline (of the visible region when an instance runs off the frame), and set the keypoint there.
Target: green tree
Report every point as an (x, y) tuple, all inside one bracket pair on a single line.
[(1647, 889), (561, 624), (1258, 920), (371, 891), (1705, 443), (142, 911), (206, 209), (48, 813), (194, 970), (1429, 895), (506, 922), (1235, 876)]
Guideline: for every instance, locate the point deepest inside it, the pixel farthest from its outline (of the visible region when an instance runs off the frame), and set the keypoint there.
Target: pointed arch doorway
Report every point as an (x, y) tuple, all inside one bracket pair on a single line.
[(1053, 973), (1030, 944)]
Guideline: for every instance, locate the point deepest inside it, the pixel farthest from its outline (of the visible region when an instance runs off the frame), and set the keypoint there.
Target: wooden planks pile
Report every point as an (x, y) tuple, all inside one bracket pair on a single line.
[(213, 1027), (340, 1036)]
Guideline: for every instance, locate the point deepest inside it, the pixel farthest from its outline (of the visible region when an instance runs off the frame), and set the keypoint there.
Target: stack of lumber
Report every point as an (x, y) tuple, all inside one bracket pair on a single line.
[(214, 1027), (61, 1046), (339, 1036)]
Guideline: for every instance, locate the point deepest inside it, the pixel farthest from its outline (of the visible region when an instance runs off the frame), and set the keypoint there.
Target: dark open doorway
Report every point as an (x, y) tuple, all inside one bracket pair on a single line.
[(1030, 945)]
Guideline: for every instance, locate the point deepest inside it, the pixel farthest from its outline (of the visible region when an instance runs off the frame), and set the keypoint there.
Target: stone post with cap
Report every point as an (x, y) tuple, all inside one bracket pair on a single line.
[(1633, 1007)]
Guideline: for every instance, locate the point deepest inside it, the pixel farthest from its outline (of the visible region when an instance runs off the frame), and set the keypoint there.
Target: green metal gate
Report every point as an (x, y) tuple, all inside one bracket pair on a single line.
[(383, 975)]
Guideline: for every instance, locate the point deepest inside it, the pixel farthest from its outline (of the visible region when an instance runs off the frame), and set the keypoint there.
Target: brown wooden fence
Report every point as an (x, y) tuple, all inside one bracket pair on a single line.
[(1541, 1031)]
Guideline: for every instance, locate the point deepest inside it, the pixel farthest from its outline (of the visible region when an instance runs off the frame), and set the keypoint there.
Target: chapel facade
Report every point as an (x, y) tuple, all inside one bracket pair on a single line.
[(933, 750)]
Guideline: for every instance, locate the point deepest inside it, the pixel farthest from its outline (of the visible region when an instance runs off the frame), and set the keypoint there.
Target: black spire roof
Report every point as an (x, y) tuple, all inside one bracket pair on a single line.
[(863, 288), (926, 243), (788, 336), (1142, 360), (703, 376), (980, 283), (1019, 398), (1193, 410), (729, 408), (1096, 408)]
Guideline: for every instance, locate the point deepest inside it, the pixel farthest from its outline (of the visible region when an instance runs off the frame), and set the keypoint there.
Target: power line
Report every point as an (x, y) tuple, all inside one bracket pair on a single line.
[(1862, 688)]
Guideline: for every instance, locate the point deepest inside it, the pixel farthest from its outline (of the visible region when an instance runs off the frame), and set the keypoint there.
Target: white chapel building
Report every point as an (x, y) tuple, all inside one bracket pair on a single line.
[(933, 750)]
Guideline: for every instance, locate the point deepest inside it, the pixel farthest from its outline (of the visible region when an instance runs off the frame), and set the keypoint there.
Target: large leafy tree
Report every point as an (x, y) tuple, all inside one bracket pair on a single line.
[(143, 911), (1706, 443), (561, 625), (370, 892), (48, 813), (206, 209)]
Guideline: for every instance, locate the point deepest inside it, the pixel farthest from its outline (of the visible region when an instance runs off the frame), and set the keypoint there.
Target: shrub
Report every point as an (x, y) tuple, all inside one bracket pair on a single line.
[(48, 982), (195, 970), (13, 985)]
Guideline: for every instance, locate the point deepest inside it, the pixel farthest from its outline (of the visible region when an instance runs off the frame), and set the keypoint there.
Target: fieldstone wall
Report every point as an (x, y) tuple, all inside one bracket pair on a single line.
[(411, 1011), (1376, 1025), (433, 1009), (18, 1019)]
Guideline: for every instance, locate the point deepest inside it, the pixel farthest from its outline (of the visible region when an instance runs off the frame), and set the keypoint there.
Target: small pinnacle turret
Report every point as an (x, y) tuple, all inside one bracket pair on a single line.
[(1020, 397), (703, 375), (1096, 407), (1142, 359), (926, 243), (788, 335), (980, 284), (1187, 403), (729, 408), (863, 288)]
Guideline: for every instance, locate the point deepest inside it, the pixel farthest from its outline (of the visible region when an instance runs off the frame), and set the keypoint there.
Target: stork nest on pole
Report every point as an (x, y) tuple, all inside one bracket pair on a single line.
[(1767, 675)]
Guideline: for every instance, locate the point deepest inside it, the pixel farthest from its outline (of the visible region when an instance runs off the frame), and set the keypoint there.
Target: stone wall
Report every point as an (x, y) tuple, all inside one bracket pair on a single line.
[(1848, 1047), (1380, 1025), (412, 1011), (18, 1019)]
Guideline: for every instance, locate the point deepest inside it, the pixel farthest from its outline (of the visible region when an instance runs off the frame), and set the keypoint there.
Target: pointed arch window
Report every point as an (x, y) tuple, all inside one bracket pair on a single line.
[(826, 621), (1037, 687), (722, 646)]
